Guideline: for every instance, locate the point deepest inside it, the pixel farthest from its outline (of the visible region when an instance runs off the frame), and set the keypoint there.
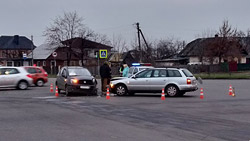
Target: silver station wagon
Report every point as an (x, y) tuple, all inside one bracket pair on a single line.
[(175, 81)]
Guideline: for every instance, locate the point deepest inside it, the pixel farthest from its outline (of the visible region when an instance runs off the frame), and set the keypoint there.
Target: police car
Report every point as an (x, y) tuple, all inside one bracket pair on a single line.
[(137, 67)]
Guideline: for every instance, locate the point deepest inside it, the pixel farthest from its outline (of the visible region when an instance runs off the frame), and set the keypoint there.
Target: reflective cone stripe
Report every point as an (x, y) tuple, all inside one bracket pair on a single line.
[(51, 87), (162, 94), (230, 90), (56, 94), (107, 95), (201, 94)]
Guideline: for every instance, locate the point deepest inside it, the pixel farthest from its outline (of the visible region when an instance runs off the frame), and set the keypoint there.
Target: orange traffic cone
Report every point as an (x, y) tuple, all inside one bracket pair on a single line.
[(201, 94), (56, 94), (162, 94), (51, 87), (230, 90), (107, 95)]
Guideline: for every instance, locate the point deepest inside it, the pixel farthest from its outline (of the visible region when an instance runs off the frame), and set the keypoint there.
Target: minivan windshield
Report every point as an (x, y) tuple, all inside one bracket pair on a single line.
[(78, 71)]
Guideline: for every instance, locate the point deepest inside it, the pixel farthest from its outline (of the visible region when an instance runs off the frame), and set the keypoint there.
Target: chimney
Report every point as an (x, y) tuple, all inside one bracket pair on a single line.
[(16, 39)]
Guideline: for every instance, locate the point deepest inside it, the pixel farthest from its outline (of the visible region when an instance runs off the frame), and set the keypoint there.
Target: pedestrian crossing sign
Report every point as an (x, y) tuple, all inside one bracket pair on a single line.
[(103, 53)]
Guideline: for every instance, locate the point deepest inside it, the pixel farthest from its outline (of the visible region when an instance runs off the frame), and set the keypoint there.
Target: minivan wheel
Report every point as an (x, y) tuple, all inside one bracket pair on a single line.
[(39, 83), (172, 90), (121, 90), (22, 85)]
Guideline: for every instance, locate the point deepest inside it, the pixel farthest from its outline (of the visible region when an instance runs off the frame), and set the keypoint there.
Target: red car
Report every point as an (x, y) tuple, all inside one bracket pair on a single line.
[(38, 74)]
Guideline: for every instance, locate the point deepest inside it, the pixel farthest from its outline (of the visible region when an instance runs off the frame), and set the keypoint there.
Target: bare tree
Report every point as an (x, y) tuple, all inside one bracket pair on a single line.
[(169, 47), (119, 45), (66, 27), (100, 38), (225, 45)]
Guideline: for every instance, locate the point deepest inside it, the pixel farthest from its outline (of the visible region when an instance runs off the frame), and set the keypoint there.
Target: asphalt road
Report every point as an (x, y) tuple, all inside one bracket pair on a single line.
[(36, 114)]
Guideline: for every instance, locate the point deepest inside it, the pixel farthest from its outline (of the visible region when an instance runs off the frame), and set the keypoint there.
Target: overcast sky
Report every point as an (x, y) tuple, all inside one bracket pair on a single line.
[(159, 19)]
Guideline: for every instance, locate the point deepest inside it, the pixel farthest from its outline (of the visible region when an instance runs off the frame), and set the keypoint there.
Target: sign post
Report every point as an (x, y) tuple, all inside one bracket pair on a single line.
[(103, 53), (24, 58), (54, 54)]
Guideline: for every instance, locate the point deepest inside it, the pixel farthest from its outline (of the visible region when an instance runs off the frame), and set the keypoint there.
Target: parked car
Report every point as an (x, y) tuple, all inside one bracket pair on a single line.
[(16, 77), (38, 74), (74, 79), (175, 81)]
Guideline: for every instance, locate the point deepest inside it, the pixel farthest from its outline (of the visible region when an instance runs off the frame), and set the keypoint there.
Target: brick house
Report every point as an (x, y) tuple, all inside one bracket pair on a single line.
[(13, 49), (43, 55)]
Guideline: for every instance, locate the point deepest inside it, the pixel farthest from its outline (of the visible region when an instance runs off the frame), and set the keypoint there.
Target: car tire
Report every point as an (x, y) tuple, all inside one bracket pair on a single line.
[(22, 85), (172, 90), (67, 93), (121, 90), (39, 83)]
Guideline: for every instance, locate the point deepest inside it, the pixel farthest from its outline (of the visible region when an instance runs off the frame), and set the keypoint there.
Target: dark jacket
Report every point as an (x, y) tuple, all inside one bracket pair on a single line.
[(105, 71)]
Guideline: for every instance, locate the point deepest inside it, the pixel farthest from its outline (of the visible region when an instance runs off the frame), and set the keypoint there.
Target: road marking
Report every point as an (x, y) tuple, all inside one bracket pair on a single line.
[(46, 97)]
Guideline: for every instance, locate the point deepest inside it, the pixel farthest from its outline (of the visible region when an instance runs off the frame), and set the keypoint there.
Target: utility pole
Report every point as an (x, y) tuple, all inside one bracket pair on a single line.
[(139, 32), (32, 61), (139, 41)]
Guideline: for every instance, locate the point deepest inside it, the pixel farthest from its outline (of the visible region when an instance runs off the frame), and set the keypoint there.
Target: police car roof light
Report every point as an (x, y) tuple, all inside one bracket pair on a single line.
[(136, 64)]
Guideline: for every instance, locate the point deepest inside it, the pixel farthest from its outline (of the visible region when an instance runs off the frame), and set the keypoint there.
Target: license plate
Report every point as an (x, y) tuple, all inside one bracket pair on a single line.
[(84, 87)]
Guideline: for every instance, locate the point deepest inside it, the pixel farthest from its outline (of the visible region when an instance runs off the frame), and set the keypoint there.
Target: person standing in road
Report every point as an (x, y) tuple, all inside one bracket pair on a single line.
[(125, 70), (105, 73)]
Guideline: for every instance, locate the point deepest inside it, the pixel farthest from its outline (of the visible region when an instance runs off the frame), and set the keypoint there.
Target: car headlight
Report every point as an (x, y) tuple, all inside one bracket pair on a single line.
[(112, 85), (74, 81)]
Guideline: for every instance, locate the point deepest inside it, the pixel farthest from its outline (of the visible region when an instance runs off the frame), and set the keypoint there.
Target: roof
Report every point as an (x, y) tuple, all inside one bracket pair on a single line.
[(195, 47), (42, 52), (78, 42), (16, 43)]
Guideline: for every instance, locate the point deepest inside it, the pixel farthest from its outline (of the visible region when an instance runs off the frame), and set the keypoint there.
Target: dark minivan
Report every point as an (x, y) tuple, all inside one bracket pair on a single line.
[(74, 79)]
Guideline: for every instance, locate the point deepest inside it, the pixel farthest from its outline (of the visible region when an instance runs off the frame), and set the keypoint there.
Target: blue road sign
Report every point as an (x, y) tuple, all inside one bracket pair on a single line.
[(103, 53)]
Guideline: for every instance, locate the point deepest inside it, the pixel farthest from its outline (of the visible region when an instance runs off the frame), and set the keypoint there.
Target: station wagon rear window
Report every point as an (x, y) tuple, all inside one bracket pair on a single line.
[(187, 73)]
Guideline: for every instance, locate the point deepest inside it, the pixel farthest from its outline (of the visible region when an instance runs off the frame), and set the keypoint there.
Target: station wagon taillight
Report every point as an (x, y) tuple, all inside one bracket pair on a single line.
[(189, 81), (46, 74)]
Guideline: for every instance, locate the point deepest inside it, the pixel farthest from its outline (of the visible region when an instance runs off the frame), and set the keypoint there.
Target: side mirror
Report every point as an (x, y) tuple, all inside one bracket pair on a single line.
[(134, 77)]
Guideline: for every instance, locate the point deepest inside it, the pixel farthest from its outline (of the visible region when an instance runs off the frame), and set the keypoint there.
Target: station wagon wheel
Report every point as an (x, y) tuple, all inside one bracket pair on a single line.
[(172, 90), (40, 82), (22, 85), (121, 90)]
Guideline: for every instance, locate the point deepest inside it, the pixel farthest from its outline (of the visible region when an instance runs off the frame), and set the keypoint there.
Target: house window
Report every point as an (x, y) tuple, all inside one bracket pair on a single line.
[(65, 63), (72, 63), (86, 53), (52, 63), (44, 63), (10, 63), (38, 63), (80, 62)]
